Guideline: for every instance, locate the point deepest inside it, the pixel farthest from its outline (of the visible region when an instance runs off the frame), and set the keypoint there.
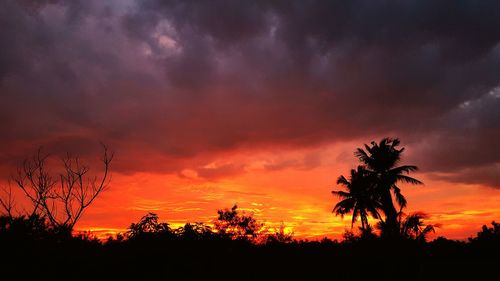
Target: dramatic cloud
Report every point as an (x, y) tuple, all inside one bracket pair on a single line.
[(172, 84)]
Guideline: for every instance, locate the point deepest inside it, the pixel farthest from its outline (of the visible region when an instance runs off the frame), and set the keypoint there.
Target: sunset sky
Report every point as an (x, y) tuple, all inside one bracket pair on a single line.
[(207, 104)]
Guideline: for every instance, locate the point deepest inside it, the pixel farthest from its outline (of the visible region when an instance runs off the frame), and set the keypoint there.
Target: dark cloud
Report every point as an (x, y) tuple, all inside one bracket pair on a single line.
[(484, 175), (165, 81), (309, 161), (217, 172), (465, 149)]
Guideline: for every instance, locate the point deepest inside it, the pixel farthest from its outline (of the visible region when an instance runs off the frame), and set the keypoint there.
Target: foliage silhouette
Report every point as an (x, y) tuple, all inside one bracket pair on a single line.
[(412, 226), (196, 251), (489, 233), (195, 231), (148, 226), (371, 185), (279, 236), (360, 199), (23, 227), (237, 226)]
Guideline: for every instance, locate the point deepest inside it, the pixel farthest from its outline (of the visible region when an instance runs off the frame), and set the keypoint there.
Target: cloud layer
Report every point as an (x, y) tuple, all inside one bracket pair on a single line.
[(172, 84)]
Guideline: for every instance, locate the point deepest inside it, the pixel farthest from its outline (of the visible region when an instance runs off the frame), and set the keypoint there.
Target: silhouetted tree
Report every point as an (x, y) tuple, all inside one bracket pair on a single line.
[(367, 233), (349, 236), (195, 231), (413, 226), (61, 198), (21, 227), (364, 234), (148, 225), (279, 236), (7, 201), (488, 233), (359, 199), (235, 225), (381, 162)]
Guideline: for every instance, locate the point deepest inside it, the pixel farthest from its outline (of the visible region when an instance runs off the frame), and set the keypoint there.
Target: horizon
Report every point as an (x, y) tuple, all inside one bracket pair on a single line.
[(207, 105)]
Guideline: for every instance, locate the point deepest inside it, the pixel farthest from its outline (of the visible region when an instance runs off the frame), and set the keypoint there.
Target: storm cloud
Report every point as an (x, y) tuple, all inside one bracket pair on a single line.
[(163, 82)]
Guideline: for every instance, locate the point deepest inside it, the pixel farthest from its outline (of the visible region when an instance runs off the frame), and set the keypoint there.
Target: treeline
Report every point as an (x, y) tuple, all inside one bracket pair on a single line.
[(236, 247), (230, 225)]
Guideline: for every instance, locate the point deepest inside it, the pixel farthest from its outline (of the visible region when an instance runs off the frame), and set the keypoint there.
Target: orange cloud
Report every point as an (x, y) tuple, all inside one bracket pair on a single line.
[(298, 197)]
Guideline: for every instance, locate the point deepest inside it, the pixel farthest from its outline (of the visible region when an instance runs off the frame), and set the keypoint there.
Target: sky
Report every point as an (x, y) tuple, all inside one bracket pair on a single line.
[(207, 104)]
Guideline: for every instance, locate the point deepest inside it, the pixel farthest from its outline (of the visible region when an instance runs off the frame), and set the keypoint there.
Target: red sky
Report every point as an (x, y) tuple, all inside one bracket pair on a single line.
[(281, 185), (208, 104)]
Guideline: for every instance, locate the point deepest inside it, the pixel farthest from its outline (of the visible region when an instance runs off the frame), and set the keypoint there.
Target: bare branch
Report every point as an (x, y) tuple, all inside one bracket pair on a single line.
[(90, 191), (62, 202), (7, 202)]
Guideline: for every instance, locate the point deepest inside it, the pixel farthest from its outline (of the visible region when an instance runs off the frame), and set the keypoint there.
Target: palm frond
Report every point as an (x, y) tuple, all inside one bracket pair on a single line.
[(343, 181), (403, 169), (368, 148), (374, 212), (344, 207), (340, 212), (408, 179), (428, 229), (399, 197), (362, 156), (342, 194)]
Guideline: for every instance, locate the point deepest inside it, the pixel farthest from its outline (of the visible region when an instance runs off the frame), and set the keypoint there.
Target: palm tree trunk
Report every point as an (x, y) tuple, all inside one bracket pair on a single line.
[(391, 215)]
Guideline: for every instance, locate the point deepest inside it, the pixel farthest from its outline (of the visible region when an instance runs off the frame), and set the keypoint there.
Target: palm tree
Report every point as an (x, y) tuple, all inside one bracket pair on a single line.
[(413, 226), (381, 160), (359, 197)]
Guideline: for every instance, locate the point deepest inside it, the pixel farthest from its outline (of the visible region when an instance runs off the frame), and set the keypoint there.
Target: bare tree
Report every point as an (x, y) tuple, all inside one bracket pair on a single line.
[(7, 201), (63, 198)]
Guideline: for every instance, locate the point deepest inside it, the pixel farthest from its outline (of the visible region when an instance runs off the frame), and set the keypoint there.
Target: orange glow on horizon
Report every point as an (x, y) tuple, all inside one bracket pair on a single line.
[(278, 187)]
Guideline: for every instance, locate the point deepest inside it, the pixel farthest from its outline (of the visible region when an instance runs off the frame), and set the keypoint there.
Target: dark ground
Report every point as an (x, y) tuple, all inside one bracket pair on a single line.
[(167, 258)]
